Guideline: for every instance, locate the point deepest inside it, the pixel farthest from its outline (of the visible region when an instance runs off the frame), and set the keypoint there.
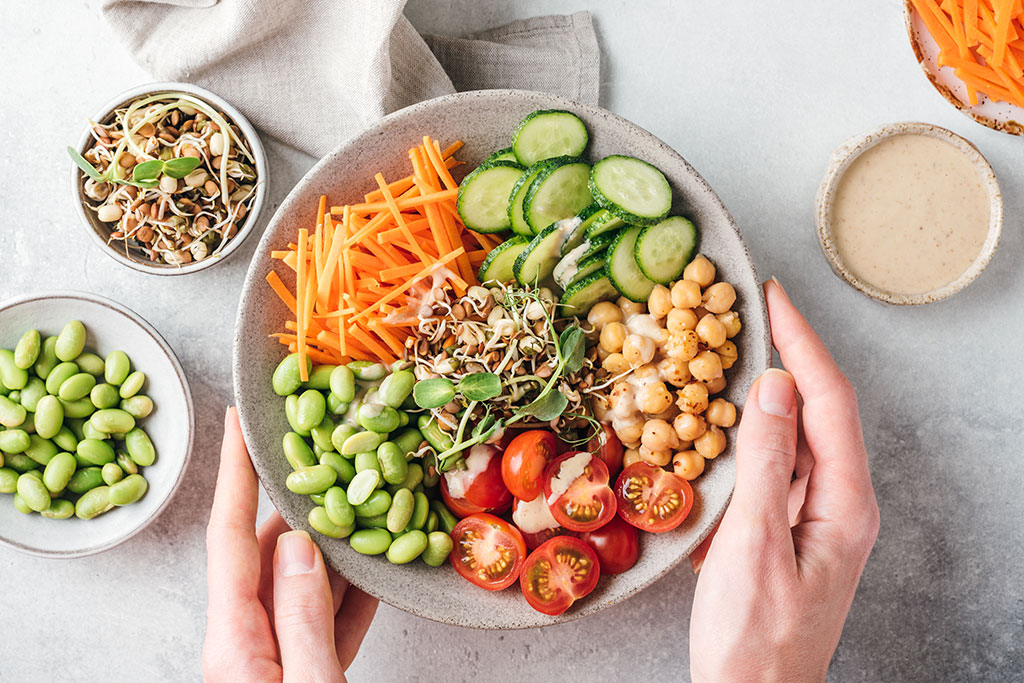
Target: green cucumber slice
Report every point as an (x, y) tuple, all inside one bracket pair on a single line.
[(581, 296), (535, 263), (501, 155), (623, 270), (497, 267), (575, 238), (631, 189), (602, 222), (483, 196), (662, 250), (548, 133), (569, 271), (560, 190), (595, 245), (515, 202)]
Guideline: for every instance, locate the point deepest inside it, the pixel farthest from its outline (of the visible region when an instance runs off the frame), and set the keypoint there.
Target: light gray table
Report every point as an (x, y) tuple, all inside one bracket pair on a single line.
[(755, 95)]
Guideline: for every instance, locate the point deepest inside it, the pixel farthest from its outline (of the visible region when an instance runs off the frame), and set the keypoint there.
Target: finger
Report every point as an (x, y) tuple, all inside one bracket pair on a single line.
[(303, 610), (339, 586), (352, 623), (701, 551), (231, 546), (267, 536)]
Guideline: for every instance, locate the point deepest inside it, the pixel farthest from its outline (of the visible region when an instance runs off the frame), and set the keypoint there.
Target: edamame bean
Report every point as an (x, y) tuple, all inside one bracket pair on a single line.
[(317, 498), (76, 387), (90, 432), (20, 462), (104, 396), (338, 508), (138, 406), (402, 507), (320, 378), (85, 479), (93, 502), (286, 379), (322, 523), (435, 436), (346, 471), (413, 476), (91, 363), (322, 434), (27, 350), (117, 367), (15, 396), (396, 387), (33, 492), (407, 547), (343, 384), (431, 524), (291, 407), (59, 509), (310, 410), (132, 384), (392, 463), (403, 419), (21, 506), (377, 504), (76, 425), (445, 519), (313, 479), (11, 414), (11, 376), (431, 477), (59, 471), (367, 461), (112, 421), (65, 439), (139, 447), (47, 360), (376, 522), (370, 541), (419, 513), (70, 341), (34, 390), (297, 451), (336, 406), (41, 450), (377, 417), (129, 490), (340, 434), (125, 462), (367, 371), (83, 407), (361, 443), (439, 546), (8, 480), (14, 441), (95, 452), (49, 417), (362, 486), (60, 374), (110, 472)]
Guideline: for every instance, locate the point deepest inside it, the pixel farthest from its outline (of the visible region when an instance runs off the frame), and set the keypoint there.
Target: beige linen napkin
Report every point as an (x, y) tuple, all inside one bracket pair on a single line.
[(312, 73)]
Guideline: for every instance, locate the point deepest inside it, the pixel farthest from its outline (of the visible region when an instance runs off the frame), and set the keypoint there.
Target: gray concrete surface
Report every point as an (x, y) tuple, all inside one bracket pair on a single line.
[(755, 95)]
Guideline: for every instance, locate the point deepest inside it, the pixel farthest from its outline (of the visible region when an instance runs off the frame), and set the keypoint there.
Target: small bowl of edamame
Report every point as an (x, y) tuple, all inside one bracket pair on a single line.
[(96, 424)]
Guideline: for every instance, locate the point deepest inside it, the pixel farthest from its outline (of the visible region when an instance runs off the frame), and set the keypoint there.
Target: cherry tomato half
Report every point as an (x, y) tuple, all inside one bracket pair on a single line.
[(558, 573), (652, 499), (607, 447), (532, 515), (524, 460), (617, 545), (585, 503), (486, 493), (488, 551)]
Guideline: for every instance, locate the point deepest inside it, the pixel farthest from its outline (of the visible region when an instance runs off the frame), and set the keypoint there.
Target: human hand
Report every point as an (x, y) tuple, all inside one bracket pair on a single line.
[(782, 570), (275, 612)]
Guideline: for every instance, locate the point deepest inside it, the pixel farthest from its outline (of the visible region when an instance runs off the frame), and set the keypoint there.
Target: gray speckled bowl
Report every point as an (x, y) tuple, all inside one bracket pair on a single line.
[(484, 120)]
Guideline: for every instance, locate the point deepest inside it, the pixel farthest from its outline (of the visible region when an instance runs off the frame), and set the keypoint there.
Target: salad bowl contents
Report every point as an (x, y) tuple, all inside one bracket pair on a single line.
[(465, 359)]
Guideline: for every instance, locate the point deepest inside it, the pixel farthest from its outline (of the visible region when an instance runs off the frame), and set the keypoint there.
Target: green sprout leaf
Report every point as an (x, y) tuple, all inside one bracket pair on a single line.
[(480, 386), (573, 346), (433, 393), (547, 406), (83, 164), (181, 167), (147, 170)]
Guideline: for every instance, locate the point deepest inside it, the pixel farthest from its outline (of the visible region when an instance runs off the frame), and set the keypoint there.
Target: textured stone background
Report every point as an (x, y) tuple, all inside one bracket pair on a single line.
[(755, 96)]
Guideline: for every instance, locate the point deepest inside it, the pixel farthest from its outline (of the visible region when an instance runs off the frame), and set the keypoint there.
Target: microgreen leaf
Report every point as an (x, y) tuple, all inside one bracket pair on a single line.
[(574, 346), (83, 164), (147, 170), (181, 167), (480, 386), (547, 406), (433, 393)]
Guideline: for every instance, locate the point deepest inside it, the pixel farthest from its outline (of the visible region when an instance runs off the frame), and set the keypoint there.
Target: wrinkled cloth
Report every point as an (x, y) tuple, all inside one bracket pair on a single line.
[(312, 73)]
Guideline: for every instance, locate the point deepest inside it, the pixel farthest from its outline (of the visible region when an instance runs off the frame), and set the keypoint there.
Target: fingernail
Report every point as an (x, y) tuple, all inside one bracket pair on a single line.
[(295, 553), (776, 281), (776, 393)]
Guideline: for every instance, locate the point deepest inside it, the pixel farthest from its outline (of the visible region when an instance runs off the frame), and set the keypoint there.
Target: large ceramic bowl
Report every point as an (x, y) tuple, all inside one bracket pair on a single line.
[(170, 426), (484, 120)]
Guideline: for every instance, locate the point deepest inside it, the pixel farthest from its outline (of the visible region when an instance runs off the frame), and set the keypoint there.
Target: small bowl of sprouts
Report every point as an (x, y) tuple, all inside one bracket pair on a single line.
[(170, 178)]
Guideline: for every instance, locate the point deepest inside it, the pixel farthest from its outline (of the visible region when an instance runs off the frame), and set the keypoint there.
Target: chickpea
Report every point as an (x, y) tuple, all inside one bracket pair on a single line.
[(700, 270), (680, 320), (628, 307), (621, 397), (686, 294), (719, 297), (683, 346), (706, 366), (689, 426), (612, 336), (632, 455), (721, 413), (654, 398), (601, 353), (688, 464), (668, 414), (693, 398), (648, 371), (711, 443), (700, 312), (711, 331), (659, 303), (615, 364), (638, 349), (658, 435), (656, 458), (731, 320), (675, 371), (728, 353), (716, 385), (603, 313), (630, 432)]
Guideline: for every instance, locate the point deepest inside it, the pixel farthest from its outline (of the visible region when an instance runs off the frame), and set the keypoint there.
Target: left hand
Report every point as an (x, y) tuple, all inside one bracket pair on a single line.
[(275, 612)]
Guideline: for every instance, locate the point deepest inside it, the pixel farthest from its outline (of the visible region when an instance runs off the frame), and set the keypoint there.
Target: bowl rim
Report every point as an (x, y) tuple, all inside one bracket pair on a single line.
[(190, 418), (251, 136), (847, 152), (239, 351)]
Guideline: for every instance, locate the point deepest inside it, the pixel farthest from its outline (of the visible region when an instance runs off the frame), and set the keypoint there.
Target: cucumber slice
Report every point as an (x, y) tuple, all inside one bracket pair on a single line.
[(537, 261), (569, 271), (662, 250), (623, 270), (497, 267), (560, 190), (483, 196), (581, 296), (631, 189), (548, 133), (595, 245), (501, 155), (575, 238), (602, 222), (515, 202)]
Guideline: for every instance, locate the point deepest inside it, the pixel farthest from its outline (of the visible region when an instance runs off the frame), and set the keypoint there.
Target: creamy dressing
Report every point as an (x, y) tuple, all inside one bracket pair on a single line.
[(644, 324), (568, 472), (910, 214), (533, 516), (422, 302), (459, 481)]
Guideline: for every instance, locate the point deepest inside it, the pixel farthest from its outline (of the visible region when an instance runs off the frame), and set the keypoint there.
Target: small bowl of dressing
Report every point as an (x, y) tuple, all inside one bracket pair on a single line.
[(909, 213)]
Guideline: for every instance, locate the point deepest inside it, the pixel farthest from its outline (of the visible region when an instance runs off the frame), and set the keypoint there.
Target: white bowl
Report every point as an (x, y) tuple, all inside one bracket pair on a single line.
[(100, 232), (171, 426)]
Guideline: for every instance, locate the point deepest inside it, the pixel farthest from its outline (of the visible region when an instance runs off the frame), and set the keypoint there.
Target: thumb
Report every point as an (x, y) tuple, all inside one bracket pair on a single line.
[(304, 610)]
